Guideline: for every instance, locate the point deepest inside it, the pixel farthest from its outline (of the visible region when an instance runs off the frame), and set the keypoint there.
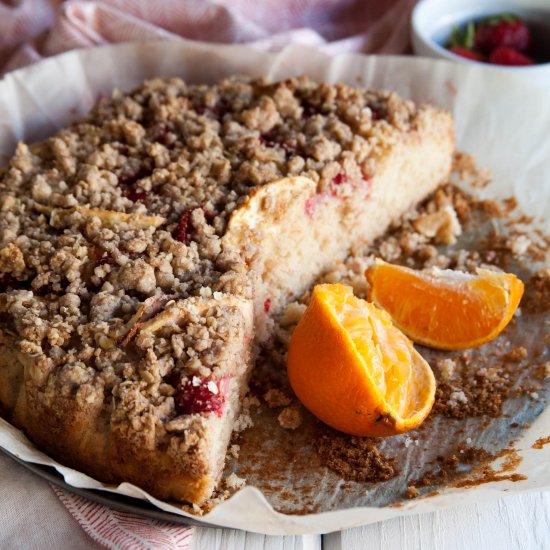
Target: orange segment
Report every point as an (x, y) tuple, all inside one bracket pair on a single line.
[(445, 309), (354, 370)]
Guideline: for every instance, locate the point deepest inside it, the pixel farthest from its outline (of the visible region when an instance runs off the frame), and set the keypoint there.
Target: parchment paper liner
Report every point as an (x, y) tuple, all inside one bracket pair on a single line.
[(503, 121)]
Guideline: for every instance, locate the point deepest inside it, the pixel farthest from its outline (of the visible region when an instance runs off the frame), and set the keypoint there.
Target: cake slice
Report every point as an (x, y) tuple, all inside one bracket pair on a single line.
[(144, 249)]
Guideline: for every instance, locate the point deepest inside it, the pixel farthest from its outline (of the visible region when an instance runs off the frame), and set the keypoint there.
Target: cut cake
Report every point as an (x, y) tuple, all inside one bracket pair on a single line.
[(145, 249)]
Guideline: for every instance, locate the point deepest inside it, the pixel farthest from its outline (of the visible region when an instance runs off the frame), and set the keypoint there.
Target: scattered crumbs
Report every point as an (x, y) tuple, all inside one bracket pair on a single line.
[(446, 368), (516, 355), (276, 398), (233, 481), (469, 384), (447, 468), (466, 167), (511, 461), (485, 473), (541, 442), (234, 450), (474, 393), (519, 244), (489, 478), (355, 458), (290, 418), (538, 298), (510, 204), (492, 208), (443, 225), (457, 397), (526, 426), (244, 420)]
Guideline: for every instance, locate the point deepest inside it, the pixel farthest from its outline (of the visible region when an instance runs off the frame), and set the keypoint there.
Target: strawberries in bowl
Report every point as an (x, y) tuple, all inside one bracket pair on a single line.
[(504, 39)]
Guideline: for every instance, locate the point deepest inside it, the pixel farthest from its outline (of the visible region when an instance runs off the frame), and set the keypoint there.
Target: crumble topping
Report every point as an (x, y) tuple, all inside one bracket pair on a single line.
[(290, 418), (355, 458), (114, 276)]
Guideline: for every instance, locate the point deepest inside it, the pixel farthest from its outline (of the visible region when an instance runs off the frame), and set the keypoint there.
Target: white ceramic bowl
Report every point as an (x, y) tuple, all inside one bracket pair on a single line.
[(433, 21)]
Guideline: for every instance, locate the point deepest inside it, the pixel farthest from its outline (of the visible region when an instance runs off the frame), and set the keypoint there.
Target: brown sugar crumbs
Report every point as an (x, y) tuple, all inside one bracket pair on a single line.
[(539, 299), (446, 468), (541, 442), (355, 458)]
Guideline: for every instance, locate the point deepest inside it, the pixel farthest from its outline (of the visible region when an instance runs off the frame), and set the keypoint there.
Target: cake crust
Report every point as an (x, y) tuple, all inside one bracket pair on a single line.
[(144, 248)]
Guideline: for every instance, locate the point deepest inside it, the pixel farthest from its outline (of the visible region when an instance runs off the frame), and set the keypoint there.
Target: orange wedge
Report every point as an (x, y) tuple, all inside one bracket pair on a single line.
[(445, 309), (354, 370)]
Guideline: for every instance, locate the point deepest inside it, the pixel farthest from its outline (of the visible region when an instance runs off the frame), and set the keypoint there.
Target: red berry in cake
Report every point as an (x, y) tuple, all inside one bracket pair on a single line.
[(135, 193), (504, 31), (340, 178), (200, 395), (181, 232), (509, 56), (267, 305), (467, 53)]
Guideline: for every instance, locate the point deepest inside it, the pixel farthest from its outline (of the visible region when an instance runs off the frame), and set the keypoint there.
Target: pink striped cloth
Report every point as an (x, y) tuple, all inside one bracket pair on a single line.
[(122, 531), (33, 29)]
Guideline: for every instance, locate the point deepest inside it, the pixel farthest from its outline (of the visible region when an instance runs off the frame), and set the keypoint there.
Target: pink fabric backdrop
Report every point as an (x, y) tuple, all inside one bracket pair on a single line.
[(32, 29)]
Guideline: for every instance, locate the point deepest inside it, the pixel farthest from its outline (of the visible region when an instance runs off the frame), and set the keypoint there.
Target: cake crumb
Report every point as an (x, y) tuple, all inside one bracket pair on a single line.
[(412, 492), (290, 418), (293, 313), (519, 245), (276, 398), (390, 249), (446, 368), (516, 355), (244, 420), (443, 225), (233, 481), (457, 397), (234, 450)]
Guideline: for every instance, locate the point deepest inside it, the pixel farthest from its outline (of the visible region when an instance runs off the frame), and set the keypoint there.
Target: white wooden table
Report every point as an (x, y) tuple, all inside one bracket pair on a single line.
[(516, 522), (31, 517)]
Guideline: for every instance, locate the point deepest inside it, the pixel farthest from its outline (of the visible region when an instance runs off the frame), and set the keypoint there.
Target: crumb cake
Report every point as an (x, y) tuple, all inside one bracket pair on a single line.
[(144, 249)]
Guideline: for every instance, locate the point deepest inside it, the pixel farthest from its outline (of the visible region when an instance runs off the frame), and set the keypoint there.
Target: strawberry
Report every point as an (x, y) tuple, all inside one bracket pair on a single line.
[(509, 56), (340, 178), (467, 53), (504, 31), (134, 193), (200, 395)]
